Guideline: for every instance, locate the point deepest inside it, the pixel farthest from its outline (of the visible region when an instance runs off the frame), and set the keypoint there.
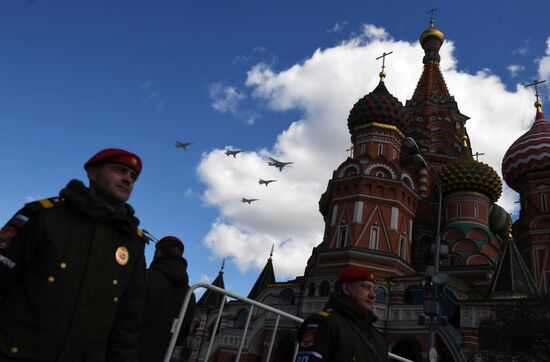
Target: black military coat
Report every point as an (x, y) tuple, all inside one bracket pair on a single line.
[(72, 284), (167, 284), (341, 333)]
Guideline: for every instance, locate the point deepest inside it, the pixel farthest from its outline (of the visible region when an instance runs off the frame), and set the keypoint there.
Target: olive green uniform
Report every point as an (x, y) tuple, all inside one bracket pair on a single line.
[(72, 285), (341, 333)]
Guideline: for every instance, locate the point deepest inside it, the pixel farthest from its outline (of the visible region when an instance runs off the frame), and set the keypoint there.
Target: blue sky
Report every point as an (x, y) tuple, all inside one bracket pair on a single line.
[(274, 78)]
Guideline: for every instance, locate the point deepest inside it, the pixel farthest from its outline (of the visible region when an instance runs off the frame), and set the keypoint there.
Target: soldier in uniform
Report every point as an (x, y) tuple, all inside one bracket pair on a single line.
[(343, 331), (72, 270), (167, 283)]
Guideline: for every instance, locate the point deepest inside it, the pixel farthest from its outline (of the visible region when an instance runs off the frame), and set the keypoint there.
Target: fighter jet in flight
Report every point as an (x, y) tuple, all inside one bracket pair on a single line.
[(243, 200), (183, 144), (278, 164), (265, 182), (233, 153)]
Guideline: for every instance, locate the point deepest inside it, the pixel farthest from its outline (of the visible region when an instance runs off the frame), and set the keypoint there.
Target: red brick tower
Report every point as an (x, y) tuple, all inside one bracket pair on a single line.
[(370, 202), (526, 169)]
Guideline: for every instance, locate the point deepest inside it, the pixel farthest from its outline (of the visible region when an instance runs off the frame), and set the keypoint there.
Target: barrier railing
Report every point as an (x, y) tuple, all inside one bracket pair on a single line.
[(176, 326)]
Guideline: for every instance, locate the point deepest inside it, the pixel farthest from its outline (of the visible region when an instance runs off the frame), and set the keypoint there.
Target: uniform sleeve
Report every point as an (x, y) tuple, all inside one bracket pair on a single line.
[(123, 344), (316, 338), (16, 249)]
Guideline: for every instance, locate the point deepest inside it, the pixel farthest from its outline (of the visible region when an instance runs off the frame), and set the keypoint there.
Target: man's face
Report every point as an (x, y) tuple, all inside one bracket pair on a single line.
[(112, 181), (362, 292)]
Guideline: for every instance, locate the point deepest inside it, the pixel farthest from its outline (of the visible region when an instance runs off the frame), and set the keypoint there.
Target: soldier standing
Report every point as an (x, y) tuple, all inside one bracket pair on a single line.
[(72, 284), (343, 331), (167, 284)]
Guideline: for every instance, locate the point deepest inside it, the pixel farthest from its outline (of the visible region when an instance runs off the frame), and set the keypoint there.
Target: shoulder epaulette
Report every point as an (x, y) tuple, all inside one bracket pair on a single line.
[(45, 203), (141, 235), (325, 313)]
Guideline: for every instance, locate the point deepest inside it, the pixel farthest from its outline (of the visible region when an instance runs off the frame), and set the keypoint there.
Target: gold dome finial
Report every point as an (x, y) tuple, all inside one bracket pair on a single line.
[(382, 74), (432, 32), (538, 103)]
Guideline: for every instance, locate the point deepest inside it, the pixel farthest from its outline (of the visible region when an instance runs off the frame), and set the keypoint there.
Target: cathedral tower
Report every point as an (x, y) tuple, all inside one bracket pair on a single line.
[(526, 169)]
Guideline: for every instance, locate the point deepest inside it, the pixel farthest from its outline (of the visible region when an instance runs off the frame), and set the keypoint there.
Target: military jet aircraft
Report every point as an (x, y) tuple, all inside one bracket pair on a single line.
[(243, 200), (278, 164), (265, 182), (183, 144), (232, 152)]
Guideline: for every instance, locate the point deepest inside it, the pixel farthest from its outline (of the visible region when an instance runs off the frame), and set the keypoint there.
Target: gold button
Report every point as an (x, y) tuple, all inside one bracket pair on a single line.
[(63, 265), (115, 299), (14, 350), (51, 279), (115, 282)]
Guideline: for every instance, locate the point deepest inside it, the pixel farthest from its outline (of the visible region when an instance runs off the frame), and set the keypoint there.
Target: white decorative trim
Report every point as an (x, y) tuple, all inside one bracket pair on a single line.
[(347, 167), (381, 165), (404, 176)]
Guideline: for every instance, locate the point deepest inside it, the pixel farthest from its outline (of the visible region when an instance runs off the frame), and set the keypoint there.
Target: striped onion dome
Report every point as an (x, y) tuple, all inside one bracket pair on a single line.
[(378, 106), (465, 173), (529, 153)]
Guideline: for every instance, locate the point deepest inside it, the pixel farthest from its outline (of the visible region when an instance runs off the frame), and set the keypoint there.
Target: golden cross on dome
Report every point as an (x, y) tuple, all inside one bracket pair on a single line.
[(477, 154), (431, 12), (382, 73), (538, 104)]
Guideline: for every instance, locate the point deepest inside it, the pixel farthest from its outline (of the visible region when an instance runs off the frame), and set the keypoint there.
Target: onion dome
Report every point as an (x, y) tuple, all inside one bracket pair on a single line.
[(500, 222), (379, 106), (432, 34), (465, 173), (529, 153)]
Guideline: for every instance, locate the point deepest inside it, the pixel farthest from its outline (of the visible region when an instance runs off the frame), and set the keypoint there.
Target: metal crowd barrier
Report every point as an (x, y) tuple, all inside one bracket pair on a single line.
[(177, 323)]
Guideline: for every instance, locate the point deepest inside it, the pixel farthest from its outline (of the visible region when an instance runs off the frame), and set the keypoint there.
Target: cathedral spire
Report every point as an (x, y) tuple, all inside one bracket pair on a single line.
[(538, 103), (382, 74), (212, 299), (266, 277)]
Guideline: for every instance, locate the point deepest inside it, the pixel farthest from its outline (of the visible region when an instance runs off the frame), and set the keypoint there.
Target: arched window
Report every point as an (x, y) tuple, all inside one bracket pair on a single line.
[(380, 295), (311, 290), (414, 295), (287, 296), (240, 318), (324, 289)]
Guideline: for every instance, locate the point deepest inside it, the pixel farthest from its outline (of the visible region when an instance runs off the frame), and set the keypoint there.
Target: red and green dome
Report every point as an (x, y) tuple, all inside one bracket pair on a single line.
[(529, 153), (379, 106), (468, 174)]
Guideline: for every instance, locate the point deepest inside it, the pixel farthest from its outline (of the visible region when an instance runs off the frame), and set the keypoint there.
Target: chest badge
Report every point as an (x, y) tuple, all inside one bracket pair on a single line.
[(122, 255)]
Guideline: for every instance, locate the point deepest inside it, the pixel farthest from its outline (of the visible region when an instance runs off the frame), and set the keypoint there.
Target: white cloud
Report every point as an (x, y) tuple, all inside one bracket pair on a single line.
[(544, 63), (190, 193), (324, 88), (514, 69), (337, 28), (151, 96), (375, 33), (525, 48), (225, 99)]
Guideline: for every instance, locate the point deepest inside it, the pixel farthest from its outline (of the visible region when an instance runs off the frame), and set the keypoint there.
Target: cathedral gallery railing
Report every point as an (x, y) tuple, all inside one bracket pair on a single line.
[(176, 326)]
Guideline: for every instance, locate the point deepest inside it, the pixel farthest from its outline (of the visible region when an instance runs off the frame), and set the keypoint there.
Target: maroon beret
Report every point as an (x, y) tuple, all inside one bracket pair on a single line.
[(170, 241), (355, 274), (115, 155)]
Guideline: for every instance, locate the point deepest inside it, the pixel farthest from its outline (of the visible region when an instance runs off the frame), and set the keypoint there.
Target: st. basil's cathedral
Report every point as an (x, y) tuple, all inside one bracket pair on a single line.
[(382, 209)]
